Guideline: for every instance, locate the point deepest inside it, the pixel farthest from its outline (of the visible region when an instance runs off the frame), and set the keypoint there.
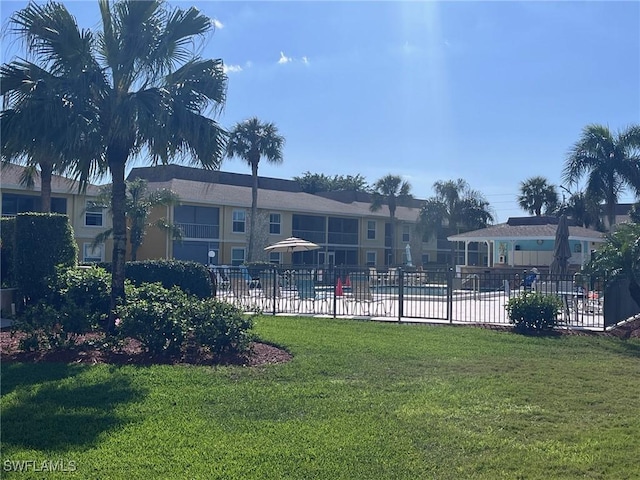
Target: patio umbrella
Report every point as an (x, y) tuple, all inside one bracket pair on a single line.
[(561, 250), (292, 244), (407, 251)]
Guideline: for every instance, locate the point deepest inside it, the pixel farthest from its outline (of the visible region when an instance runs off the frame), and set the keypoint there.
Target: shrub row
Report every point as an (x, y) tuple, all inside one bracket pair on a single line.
[(163, 320), (192, 277)]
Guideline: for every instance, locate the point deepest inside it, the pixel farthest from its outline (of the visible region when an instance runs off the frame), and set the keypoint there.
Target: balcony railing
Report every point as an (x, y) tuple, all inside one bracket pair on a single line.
[(310, 235), (343, 238), (199, 230)]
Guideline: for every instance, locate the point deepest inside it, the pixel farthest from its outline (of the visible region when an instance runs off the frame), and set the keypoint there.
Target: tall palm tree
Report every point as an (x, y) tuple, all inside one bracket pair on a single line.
[(35, 116), (611, 162), (455, 208), (535, 193), (140, 203), (393, 191), (252, 140), (140, 88)]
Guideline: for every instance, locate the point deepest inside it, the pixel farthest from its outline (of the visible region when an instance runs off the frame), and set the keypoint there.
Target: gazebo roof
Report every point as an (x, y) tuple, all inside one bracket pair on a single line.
[(527, 228)]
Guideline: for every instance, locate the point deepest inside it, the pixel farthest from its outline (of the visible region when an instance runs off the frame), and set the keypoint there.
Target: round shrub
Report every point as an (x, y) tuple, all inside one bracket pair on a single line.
[(155, 316), (220, 327), (534, 311)]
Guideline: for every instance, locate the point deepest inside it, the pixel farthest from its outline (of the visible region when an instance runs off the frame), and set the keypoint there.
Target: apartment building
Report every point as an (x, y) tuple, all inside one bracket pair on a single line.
[(87, 222), (214, 217)]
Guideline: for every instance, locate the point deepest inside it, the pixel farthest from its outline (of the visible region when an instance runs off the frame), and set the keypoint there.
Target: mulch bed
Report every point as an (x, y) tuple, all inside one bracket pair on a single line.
[(90, 349)]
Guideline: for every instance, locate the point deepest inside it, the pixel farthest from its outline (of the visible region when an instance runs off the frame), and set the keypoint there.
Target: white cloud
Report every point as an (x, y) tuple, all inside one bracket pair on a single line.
[(217, 23), (284, 59), (305, 60), (232, 68)]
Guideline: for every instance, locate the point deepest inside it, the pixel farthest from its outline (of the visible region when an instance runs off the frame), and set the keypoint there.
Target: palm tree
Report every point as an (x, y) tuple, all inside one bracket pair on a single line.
[(140, 203), (583, 209), (619, 257), (393, 191), (252, 140), (535, 193), (35, 117), (454, 208), (140, 89), (610, 161)]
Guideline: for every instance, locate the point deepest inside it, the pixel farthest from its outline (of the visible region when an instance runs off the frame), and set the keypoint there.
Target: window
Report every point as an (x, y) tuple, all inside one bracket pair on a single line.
[(92, 254), (93, 215), (371, 229), (237, 256), (577, 248), (425, 258), (275, 257), (239, 220), (274, 223), (371, 259), (406, 233)]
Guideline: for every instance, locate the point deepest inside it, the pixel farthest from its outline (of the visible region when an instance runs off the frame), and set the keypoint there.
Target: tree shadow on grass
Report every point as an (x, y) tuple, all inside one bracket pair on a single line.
[(60, 416), (16, 375)]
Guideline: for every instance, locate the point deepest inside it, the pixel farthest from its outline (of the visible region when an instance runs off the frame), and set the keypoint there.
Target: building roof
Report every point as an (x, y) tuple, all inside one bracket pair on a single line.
[(11, 173), (194, 185), (519, 228)]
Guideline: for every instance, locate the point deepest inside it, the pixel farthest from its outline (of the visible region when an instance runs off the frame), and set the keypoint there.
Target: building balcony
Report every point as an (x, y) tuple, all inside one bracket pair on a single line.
[(199, 231)]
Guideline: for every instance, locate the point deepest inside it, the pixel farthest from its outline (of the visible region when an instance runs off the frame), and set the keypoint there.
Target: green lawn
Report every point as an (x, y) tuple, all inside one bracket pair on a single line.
[(359, 400)]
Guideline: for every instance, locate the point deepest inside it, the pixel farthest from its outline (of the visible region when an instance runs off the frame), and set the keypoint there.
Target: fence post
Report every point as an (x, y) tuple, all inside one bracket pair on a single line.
[(400, 294), (274, 273), (450, 295), (334, 283)]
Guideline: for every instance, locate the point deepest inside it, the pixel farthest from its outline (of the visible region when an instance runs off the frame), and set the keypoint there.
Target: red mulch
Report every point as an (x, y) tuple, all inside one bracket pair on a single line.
[(89, 349)]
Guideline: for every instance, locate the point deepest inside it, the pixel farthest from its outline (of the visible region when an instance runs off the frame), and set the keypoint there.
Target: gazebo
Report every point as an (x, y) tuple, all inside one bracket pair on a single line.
[(526, 242)]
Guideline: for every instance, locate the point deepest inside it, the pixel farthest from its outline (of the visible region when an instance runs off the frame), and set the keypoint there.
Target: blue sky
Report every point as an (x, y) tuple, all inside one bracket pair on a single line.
[(492, 92)]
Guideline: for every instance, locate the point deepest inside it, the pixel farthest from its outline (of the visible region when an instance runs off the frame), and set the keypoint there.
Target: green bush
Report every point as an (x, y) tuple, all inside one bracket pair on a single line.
[(534, 311), (43, 241), (155, 316), (191, 277), (220, 327), (76, 302), (7, 248)]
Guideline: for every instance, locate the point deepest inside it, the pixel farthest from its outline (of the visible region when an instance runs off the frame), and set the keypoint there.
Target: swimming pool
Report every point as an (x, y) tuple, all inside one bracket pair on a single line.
[(436, 290)]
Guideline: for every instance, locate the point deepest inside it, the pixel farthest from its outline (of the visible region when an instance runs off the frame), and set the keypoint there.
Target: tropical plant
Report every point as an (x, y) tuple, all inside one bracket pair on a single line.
[(319, 182), (139, 87), (619, 257), (611, 162), (583, 209), (38, 114), (392, 191), (454, 208), (140, 203), (252, 140), (535, 193)]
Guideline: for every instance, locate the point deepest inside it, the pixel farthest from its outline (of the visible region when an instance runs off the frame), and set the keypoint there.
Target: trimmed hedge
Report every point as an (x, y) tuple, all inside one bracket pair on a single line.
[(7, 251), (191, 277), (43, 242)]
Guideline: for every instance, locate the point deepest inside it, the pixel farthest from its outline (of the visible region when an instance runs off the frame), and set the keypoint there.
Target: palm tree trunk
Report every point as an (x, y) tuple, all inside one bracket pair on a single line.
[(46, 172), (118, 206), (254, 210)]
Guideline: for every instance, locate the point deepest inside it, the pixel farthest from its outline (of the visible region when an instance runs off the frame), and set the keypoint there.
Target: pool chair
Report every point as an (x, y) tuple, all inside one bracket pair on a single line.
[(361, 296), (307, 295)]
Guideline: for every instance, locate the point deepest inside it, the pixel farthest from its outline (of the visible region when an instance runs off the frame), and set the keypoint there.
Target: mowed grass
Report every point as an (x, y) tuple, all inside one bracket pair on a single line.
[(359, 400)]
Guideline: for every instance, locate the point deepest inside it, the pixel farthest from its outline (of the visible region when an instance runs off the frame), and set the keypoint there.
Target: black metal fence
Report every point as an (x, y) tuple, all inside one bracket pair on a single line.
[(408, 295)]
